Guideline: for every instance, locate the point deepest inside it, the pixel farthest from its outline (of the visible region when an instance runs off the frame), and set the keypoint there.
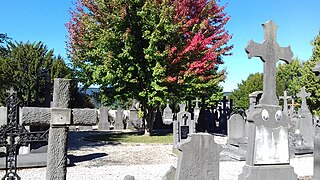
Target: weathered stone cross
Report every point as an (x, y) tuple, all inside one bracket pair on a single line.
[(285, 98), (303, 95), (269, 52), (59, 117)]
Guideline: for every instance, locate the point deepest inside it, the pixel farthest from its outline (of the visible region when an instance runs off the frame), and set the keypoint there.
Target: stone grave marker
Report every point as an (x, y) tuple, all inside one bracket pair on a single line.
[(305, 124), (199, 158), (285, 98), (103, 120), (134, 115), (196, 111), (59, 117), (167, 115), (268, 148), (184, 123), (316, 152), (236, 130), (118, 121)]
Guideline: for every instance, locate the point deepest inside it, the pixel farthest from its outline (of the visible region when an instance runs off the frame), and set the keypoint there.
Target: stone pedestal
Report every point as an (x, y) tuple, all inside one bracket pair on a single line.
[(316, 155), (268, 172)]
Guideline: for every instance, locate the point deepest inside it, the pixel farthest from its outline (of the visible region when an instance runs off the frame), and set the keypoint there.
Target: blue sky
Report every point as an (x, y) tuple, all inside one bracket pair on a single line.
[(298, 21)]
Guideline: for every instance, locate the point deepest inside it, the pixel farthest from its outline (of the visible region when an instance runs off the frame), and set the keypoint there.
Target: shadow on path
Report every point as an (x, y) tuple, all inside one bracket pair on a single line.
[(88, 157)]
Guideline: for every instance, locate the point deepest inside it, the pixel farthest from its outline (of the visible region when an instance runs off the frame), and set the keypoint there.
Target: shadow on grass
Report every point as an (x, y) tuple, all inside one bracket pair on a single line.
[(88, 157), (79, 139)]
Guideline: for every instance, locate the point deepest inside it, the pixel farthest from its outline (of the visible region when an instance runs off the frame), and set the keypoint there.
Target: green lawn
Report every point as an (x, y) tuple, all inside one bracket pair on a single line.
[(132, 137)]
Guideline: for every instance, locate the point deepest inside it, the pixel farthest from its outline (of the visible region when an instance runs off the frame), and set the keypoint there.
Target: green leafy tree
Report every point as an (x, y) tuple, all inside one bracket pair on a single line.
[(309, 80), (253, 83), (30, 69), (289, 77), (149, 50)]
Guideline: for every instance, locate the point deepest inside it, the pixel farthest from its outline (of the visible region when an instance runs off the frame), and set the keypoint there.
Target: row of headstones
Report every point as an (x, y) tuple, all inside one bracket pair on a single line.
[(301, 126), (268, 147), (187, 123)]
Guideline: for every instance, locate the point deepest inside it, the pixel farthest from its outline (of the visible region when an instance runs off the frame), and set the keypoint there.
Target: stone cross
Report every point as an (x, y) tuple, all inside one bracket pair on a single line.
[(303, 95), (268, 143), (269, 52), (285, 101), (59, 117), (316, 152)]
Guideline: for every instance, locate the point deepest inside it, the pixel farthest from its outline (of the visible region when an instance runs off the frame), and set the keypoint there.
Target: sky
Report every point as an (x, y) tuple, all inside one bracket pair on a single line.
[(298, 23)]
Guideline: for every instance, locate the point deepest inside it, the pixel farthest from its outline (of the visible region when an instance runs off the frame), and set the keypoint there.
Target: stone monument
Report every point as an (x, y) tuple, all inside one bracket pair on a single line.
[(316, 152), (285, 98), (268, 148), (305, 124), (199, 158)]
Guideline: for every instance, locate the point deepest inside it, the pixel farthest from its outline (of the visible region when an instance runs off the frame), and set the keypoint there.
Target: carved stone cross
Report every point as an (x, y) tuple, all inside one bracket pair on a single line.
[(303, 95), (269, 52), (59, 117), (285, 98), (185, 118)]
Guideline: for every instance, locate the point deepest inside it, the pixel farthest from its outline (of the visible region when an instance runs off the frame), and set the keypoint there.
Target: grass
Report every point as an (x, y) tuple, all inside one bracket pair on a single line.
[(132, 137)]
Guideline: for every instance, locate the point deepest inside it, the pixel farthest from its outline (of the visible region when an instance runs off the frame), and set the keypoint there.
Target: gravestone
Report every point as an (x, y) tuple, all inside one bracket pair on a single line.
[(305, 124), (199, 158), (268, 149), (59, 117), (196, 111), (236, 130), (184, 123), (103, 120), (118, 121), (134, 120), (285, 98), (316, 152), (167, 115), (158, 122)]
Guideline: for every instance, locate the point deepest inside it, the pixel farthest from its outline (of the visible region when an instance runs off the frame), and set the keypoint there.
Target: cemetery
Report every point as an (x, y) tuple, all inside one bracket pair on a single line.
[(153, 119)]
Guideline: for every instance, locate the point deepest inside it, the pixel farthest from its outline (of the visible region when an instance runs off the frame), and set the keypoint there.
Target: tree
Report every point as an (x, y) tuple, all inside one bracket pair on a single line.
[(149, 50), (253, 83), (289, 77), (309, 80), (30, 69)]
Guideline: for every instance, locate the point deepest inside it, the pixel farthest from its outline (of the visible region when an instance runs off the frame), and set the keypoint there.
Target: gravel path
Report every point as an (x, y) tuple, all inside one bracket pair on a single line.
[(105, 161)]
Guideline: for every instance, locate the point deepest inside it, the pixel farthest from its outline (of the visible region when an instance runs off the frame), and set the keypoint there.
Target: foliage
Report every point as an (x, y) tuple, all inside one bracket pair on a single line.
[(254, 82), (309, 80), (30, 69), (149, 50)]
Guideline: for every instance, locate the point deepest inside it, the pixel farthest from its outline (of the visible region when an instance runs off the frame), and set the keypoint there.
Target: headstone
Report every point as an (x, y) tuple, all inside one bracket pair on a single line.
[(236, 131), (185, 124), (268, 148), (103, 120), (199, 158), (316, 152), (167, 115), (158, 124), (196, 111), (285, 98), (305, 124), (134, 116), (60, 117), (118, 122), (170, 174)]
